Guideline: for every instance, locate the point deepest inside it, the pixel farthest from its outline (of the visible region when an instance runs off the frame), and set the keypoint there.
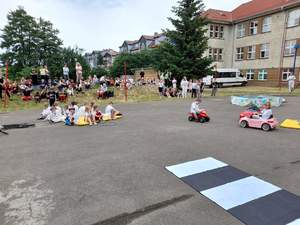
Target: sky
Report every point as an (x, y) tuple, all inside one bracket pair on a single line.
[(100, 24)]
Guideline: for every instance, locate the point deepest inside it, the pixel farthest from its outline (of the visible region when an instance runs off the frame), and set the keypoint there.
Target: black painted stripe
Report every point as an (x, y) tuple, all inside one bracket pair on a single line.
[(214, 178), (279, 208)]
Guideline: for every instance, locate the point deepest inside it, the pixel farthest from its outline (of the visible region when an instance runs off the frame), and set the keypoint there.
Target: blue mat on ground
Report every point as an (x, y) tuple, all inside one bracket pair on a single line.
[(248, 198), (259, 101)]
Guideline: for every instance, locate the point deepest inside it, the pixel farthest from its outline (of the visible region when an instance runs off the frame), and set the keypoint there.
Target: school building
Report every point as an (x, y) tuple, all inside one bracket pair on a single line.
[(259, 38)]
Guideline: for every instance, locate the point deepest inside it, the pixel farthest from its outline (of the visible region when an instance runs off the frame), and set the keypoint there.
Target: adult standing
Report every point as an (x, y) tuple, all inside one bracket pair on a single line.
[(66, 72), (201, 88), (174, 83), (291, 82), (184, 86), (44, 72), (78, 72), (161, 87), (194, 89), (214, 85), (34, 78)]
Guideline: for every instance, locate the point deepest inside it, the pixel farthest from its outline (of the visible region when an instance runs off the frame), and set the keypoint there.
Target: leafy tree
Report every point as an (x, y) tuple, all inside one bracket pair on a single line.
[(100, 60), (29, 42), (141, 59), (183, 54), (48, 42), (99, 72), (19, 38)]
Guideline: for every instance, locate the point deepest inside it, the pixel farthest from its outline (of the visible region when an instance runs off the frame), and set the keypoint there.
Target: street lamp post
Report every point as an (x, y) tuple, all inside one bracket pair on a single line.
[(296, 47)]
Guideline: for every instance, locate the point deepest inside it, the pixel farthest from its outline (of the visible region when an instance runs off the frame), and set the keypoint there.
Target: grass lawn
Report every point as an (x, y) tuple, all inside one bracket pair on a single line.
[(143, 94)]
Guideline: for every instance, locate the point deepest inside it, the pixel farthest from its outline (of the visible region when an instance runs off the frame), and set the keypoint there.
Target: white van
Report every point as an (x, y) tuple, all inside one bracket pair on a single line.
[(226, 77)]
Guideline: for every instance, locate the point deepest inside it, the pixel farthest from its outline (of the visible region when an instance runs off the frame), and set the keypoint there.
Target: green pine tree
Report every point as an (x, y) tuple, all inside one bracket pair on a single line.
[(183, 54)]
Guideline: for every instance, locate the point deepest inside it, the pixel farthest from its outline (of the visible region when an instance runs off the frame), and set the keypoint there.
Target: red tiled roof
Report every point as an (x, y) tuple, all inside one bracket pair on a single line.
[(214, 14), (248, 9)]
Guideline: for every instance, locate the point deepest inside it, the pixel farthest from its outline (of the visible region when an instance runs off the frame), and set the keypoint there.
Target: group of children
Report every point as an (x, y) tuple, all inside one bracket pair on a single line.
[(72, 114), (264, 113)]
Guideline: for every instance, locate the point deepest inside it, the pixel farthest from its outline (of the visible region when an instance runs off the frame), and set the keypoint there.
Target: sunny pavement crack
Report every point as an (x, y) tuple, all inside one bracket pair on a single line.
[(127, 218)]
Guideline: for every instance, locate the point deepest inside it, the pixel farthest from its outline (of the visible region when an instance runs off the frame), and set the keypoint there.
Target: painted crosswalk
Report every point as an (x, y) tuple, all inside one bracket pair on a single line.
[(248, 198)]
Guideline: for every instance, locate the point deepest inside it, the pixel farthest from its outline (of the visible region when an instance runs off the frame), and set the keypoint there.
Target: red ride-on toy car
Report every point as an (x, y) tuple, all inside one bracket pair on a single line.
[(250, 112), (202, 117)]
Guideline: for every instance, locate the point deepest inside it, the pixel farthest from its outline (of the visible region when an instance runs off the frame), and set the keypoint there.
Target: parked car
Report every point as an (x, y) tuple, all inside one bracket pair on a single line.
[(226, 77)]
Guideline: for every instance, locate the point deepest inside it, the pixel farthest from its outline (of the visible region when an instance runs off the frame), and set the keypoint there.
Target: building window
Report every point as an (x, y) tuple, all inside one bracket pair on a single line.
[(285, 74), (250, 75), (211, 31), (264, 51), (253, 27), (220, 55), (289, 48), (221, 34), (241, 31), (210, 53), (216, 32), (262, 75), (294, 18), (266, 27), (251, 52), (216, 54), (239, 53)]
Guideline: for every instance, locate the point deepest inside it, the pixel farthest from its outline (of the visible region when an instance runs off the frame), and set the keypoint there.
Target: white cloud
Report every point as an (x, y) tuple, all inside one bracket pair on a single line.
[(97, 24)]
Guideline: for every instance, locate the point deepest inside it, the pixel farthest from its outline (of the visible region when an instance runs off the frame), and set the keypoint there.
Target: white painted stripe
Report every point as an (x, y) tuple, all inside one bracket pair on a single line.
[(195, 167), (239, 192), (296, 222)]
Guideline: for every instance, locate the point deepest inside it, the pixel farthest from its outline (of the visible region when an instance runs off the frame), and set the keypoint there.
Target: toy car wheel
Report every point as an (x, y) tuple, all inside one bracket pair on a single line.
[(202, 120), (266, 127), (207, 119), (244, 124), (190, 118)]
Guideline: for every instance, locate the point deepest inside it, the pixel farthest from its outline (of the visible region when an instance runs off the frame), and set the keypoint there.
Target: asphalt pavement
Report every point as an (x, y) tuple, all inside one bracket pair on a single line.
[(115, 173)]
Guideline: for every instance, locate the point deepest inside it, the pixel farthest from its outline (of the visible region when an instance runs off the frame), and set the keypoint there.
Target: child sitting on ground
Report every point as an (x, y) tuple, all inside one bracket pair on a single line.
[(46, 112), (110, 110), (88, 115), (96, 113)]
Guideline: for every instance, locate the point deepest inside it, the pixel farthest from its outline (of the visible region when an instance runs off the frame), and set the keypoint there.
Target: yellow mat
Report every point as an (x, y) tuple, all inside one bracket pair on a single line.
[(293, 124), (107, 117)]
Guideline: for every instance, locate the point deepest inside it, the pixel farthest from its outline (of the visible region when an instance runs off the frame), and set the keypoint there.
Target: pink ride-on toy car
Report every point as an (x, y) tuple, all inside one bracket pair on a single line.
[(265, 125)]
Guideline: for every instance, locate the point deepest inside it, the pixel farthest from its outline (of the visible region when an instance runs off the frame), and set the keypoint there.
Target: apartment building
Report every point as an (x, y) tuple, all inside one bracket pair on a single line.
[(259, 38), (108, 55), (145, 42)]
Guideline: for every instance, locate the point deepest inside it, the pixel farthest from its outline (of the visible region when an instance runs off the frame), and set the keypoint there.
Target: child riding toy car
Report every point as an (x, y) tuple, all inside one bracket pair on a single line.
[(200, 117), (196, 114), (264, 124), (264, 120)]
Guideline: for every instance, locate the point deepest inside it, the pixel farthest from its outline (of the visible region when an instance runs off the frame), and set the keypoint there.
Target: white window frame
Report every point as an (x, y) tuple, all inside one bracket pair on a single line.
[(216, 31), (221, 32), (241, 30), (220, 55), (294, 18), (266, 27), (285, 74), (215, 54), (211, 31), (253, 28), (251, 54), (265, 48), (263, 75), (239, 53), (250, 74), (210, 53), (289, 47)]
